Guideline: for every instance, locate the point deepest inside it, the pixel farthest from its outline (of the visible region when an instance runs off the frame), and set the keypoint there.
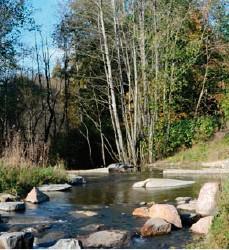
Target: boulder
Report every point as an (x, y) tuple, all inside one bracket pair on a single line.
[(36, 196), (12, 206), (202, 226), (55, 187), (93, 227), (120, 168), (7, 197), (76, 180), (155, 226), (140, 184), (84, 213), (183, 199), (167, 183), (67, 244), (141, 212), (187, 207), (106, 239), (166, 212), (16, 240), (206, 203), (161, 183)]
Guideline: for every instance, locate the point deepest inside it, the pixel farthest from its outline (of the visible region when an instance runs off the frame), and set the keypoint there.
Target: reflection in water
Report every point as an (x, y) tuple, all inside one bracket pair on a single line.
[(113, 200)]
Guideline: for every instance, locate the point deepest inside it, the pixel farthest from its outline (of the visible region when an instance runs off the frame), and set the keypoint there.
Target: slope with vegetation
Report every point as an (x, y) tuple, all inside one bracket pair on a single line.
[(137, 82)]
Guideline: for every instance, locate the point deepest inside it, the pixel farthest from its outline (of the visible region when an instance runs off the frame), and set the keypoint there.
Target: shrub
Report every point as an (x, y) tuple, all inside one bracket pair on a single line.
[(181, 134), (19, 180), (204, 129)]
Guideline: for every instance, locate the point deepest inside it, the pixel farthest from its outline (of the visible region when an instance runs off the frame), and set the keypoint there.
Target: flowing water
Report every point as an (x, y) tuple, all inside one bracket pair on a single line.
[(112, 199)]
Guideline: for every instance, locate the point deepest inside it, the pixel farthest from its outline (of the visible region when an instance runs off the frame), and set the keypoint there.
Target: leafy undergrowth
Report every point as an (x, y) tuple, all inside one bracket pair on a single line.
[(219, 233), (210, 151), (19, 180)]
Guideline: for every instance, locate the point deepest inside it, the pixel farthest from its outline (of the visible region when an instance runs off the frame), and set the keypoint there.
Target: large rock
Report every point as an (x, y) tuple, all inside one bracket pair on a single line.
[(206, 203), (76, 180), (7, 197), (16, 240), (93, 227), (84, 213), (161, 183), (155, 226), (140, 184), (183, 200), (67, 244), (120, 168), (55, 187), (12, 206), (191, 207), (141, 212), (106, 239), (166, 212), (202, 226), (36, 196)]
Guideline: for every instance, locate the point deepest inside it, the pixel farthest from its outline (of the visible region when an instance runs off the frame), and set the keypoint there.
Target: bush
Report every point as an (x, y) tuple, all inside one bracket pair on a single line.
[(181, 134), (19, 180), (225, 106), (204, 129)]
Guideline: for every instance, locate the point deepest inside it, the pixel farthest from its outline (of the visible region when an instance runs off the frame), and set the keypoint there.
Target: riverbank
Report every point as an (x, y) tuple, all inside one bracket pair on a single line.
[(204, 155), (19, 180), (218, 237)]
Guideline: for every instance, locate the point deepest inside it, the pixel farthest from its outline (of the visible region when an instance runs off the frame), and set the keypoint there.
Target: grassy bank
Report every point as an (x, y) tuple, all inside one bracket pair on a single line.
[(216, 149), (218, 236), (20, 179)]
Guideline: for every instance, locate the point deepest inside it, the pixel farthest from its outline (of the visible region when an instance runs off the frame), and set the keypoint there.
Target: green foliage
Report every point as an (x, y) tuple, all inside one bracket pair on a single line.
[(204, 151), (225, 106), (181, 133), (204, 129), (19, 180)]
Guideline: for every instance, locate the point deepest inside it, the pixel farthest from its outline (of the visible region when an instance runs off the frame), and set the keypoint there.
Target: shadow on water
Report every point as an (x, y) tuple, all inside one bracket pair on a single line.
[(112, 199)]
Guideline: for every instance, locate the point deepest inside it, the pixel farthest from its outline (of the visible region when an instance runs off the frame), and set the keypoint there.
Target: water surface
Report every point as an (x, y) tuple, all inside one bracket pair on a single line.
[(113, 199)]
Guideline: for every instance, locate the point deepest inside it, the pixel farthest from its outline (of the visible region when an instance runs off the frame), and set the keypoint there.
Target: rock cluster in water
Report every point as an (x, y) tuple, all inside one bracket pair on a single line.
[(196, 214)]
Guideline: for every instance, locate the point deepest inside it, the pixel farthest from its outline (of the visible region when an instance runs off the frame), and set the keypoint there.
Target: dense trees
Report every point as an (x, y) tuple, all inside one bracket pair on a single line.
[(137, 81)]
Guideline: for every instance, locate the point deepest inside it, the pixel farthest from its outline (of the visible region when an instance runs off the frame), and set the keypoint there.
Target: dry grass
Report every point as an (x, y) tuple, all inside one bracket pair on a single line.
[(217, 149)]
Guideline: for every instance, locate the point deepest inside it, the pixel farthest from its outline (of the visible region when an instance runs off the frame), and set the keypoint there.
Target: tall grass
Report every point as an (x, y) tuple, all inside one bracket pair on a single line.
[(209, 151), (21, 178)]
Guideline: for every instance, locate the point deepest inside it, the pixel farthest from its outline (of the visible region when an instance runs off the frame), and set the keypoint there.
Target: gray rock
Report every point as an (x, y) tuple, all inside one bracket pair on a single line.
[(202, 226), (161, 183), (83, 213), (7, 197), (67, 244), (206, 203), (120, 168), (55, 187), (106, 239), (93, 227), (187, 207), (16, 240), (155, 226), (12, 206), (184, 199), (36, 196), (37, 229), (76, 180)]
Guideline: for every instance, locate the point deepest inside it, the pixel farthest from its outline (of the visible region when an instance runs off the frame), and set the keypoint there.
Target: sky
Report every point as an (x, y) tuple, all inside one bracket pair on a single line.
[(46, 14)]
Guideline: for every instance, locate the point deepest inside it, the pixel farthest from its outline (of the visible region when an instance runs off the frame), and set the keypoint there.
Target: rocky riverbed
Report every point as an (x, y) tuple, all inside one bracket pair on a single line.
[(105, 205)]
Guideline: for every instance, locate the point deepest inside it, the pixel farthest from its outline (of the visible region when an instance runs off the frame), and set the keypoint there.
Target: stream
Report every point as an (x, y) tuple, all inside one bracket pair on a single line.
[(112, 199)]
